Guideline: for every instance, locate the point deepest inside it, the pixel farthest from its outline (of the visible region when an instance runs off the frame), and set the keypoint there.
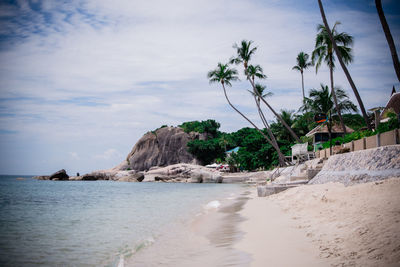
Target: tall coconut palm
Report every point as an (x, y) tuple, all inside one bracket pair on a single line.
[(321, 101), (224, 75), (255, 71), (343, 65), (302, 64), (324, 52), (244, 53), (389, 38)]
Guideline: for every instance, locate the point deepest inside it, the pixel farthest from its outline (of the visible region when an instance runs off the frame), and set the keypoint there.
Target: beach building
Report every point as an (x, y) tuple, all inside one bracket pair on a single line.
[(320, 134), (229, 152), (393, 105)]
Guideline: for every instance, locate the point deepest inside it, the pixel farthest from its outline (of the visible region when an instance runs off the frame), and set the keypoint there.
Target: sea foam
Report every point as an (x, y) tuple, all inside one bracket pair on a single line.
[(213, 205)]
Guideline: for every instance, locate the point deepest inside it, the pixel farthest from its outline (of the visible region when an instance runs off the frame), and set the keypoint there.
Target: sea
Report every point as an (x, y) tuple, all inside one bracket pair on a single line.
[(107, 223)]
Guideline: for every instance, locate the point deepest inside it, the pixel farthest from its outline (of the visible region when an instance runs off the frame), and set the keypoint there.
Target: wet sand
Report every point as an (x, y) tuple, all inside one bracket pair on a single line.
[(207, 240), (272, 239)]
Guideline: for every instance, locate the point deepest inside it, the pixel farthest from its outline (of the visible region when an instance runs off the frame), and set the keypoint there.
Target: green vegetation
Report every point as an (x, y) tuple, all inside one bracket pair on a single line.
[(208, 126), (254, 153)]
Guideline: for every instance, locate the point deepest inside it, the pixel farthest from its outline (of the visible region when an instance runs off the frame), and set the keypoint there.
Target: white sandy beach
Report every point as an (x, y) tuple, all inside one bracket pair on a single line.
[(322, 225)]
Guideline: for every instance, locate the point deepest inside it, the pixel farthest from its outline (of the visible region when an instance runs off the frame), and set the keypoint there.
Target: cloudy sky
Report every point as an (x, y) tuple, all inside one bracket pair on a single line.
[(82, 81)]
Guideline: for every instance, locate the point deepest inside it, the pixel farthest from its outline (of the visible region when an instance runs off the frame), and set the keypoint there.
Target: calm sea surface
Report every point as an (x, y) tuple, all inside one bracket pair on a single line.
[(56, 223)]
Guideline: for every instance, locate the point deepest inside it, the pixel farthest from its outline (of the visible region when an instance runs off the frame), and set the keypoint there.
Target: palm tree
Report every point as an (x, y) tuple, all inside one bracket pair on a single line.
[(260, 89), (343, 65), (224, 75), (255, 71), (302, 64), (389, 37), (243, 55), (324, 51), (321, 101)]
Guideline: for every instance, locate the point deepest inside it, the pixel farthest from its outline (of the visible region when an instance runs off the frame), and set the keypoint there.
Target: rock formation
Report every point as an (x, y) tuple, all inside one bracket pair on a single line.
[(60, 175), (361, 166), (163, 147)]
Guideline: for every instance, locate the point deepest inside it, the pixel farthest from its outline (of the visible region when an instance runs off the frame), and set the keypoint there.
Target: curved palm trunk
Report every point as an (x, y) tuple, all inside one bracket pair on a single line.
[(276, 114), (334, 97), (302, 84), (389, 38), (346, 72), (255, 126), (282, 158)]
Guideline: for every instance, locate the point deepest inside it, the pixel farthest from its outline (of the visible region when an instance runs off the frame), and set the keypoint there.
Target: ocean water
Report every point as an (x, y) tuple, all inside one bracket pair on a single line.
[(76, 223)]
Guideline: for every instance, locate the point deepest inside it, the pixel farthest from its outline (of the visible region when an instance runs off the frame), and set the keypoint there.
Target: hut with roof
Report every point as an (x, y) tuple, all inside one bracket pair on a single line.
[(393, 105), (320, 134)]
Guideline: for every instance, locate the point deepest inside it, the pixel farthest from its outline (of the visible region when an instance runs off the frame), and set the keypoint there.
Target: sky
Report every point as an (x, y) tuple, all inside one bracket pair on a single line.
[(82, 81)]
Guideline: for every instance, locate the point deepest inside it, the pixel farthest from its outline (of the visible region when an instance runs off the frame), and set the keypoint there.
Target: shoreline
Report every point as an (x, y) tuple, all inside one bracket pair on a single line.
[(207, 239)]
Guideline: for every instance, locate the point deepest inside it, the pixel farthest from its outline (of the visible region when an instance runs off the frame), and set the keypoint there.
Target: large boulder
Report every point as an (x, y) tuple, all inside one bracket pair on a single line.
[(128, 176), (60, 175), (163, 147), (183, 173)]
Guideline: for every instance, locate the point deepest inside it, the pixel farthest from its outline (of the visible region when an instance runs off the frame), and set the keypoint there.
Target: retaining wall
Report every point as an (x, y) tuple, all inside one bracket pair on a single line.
[(383, 139)]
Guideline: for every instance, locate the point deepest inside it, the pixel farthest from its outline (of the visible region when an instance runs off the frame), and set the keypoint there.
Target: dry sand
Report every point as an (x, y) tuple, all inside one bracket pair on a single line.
[(325, 225)]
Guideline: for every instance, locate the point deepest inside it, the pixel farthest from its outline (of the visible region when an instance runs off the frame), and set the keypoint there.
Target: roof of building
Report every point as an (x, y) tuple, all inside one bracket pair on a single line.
[(236, 149), (336, 128), (393, 104)]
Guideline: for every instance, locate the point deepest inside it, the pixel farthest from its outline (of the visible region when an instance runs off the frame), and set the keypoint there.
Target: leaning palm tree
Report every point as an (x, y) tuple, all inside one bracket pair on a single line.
[(224, 75), (324, 52), (260, 89), (244, 53), (343, 65), (389, 38), (302, 64)]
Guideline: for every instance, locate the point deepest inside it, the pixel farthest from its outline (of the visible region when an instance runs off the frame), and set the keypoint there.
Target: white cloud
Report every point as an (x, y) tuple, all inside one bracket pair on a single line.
[(106, 74), (74, 155)]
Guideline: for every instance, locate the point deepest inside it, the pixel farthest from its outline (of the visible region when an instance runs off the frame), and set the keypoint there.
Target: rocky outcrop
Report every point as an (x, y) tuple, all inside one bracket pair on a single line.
[(41, 177), (60, 175), (188, 173), (111, 174), (361, 166), (163, 147)]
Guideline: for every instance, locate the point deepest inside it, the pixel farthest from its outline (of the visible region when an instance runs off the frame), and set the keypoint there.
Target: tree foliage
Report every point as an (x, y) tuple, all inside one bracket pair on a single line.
[(208, 126)]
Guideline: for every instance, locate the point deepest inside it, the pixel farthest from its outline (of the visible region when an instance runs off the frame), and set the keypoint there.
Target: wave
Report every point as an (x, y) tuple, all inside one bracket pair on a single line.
[(215, 204)]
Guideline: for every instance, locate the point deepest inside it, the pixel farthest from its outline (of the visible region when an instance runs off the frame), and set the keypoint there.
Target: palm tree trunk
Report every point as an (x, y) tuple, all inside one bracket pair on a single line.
[(389, 38), (346, 72), (329, 125), (302, 85), (281, 157), (334, 97), (264, 121), (276, 114), (255, 126)]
